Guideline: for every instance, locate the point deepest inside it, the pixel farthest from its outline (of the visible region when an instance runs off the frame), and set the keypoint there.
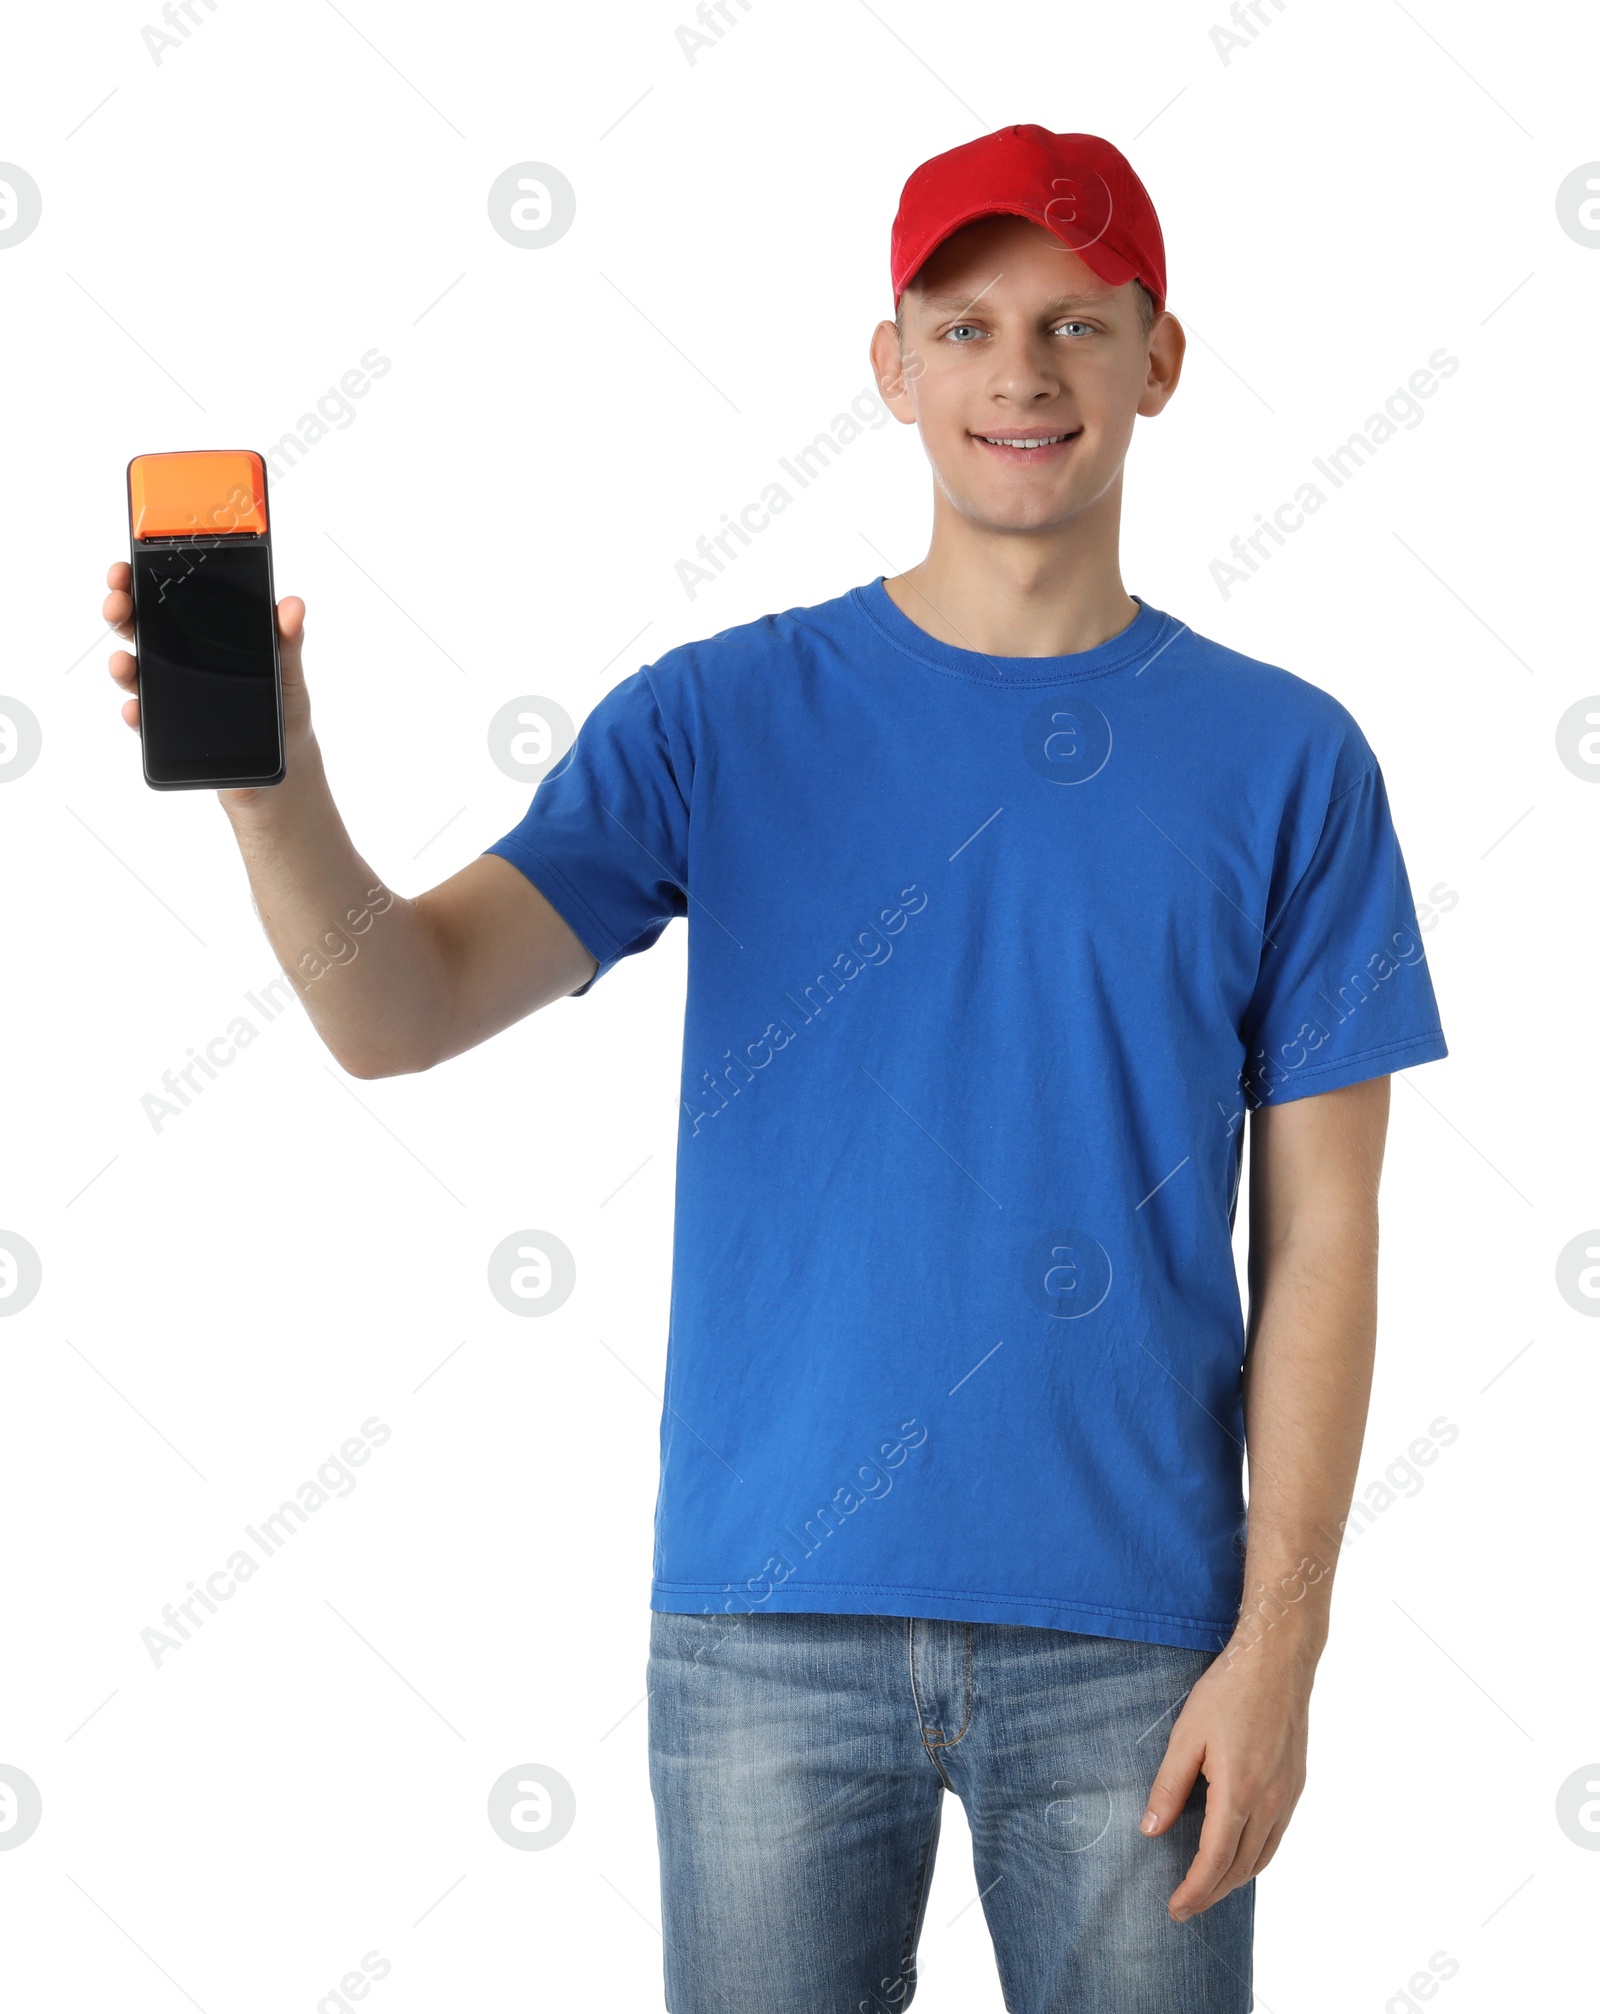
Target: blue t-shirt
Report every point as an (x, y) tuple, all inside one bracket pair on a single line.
[(988, 957)]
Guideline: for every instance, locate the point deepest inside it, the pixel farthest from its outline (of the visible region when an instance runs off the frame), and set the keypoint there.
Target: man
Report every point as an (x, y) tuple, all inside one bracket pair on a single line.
[(1007, 896)]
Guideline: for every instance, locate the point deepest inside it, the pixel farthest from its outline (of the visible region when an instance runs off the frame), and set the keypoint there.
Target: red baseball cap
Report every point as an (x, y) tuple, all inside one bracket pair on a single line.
[(1075, 184)]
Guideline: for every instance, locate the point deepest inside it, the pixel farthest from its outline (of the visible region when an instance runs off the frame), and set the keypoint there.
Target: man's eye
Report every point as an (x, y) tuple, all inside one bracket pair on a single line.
[(961, 330)]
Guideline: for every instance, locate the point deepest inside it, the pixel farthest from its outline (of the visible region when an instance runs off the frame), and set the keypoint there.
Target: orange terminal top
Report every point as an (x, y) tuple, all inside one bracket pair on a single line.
[(204, 490)]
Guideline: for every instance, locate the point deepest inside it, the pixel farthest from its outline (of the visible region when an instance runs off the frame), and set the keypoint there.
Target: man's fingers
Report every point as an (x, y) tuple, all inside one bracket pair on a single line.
[(124, 668), (1219, 1845), (117, 608), (1259, 1833), (1246, 1860), (1270, 1844)]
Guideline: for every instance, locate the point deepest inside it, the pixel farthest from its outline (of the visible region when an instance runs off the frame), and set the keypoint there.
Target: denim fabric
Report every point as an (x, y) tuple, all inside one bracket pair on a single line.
[(799, 1763)]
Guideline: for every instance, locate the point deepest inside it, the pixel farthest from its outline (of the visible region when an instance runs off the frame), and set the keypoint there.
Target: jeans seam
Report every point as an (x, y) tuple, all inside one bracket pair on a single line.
[(908, 1949)]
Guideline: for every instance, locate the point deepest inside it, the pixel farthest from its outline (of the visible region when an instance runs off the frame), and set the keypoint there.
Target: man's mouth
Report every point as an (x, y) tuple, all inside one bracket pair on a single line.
[(1028, 444)]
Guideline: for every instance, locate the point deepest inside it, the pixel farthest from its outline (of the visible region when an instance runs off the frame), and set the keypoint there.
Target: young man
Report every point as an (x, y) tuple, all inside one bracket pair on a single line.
[(1007, 896)]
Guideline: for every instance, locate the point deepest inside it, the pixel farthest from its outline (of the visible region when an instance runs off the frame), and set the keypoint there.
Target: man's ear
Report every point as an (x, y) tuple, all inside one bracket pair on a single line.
[(1167, 346), (896, 368)]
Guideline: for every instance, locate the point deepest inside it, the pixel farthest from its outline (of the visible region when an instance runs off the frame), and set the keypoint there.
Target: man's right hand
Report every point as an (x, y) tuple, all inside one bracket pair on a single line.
[(124, 666), (392, 984)]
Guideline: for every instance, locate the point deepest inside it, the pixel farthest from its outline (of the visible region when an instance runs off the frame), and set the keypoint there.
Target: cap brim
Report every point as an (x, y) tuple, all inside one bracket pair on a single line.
[(1102, 261)]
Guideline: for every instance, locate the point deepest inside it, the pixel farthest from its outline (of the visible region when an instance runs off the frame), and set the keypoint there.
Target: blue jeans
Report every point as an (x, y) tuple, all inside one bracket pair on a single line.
[(799, 1762)]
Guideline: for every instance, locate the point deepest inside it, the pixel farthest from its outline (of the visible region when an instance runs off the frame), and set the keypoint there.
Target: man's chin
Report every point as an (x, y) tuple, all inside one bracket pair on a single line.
[(1011, 515)]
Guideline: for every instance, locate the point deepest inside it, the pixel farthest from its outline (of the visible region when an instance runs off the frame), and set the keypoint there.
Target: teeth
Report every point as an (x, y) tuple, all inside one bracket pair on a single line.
[(1000, 441)]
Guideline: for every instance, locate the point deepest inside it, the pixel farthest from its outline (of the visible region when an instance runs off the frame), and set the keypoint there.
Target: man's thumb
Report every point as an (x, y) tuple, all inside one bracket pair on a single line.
[(1169, 1793), (291, 634)]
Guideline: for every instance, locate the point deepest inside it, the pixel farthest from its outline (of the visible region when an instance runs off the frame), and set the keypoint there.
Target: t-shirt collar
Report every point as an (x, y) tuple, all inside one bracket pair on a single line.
[(1148, 633)]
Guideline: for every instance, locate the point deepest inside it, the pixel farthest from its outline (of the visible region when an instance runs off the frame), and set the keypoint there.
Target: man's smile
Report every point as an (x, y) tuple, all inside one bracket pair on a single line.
[(1028, 444)]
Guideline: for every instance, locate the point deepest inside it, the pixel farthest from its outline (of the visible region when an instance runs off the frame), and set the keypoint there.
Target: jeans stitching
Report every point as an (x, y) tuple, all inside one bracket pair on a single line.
[(967, 1691), (923, 1729)]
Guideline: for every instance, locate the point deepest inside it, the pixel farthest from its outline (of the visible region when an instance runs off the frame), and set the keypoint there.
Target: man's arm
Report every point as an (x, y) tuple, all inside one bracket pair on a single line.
[(1313, 1278), (392, 983)]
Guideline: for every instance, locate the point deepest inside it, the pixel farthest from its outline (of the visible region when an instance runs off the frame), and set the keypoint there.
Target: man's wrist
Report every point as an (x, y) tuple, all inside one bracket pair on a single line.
[(1285, 1614), (267, 805), (1295, 1643)]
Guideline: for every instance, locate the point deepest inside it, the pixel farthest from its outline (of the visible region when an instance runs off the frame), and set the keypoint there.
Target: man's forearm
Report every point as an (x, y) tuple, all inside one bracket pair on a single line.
[(1307, 1385), (1308, 1367), (363, 962)]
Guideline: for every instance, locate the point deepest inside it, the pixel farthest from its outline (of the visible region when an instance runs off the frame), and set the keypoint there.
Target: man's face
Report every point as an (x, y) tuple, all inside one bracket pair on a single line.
[(1008, 335)]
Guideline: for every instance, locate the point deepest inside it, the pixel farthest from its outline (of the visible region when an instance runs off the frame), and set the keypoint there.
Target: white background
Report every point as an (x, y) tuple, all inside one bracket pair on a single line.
[(225, 1300)]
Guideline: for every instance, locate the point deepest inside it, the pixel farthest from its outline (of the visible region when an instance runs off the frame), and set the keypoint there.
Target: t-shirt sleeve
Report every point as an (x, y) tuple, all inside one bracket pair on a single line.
[(606, 838), (1343, 991)]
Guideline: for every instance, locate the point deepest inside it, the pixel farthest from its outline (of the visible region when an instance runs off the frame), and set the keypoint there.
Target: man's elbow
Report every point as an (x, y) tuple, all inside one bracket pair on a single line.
[(374, 1062)]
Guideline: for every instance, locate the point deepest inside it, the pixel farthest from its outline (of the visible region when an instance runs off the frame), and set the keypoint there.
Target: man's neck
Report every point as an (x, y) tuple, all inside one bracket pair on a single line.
[(1012, 595)]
